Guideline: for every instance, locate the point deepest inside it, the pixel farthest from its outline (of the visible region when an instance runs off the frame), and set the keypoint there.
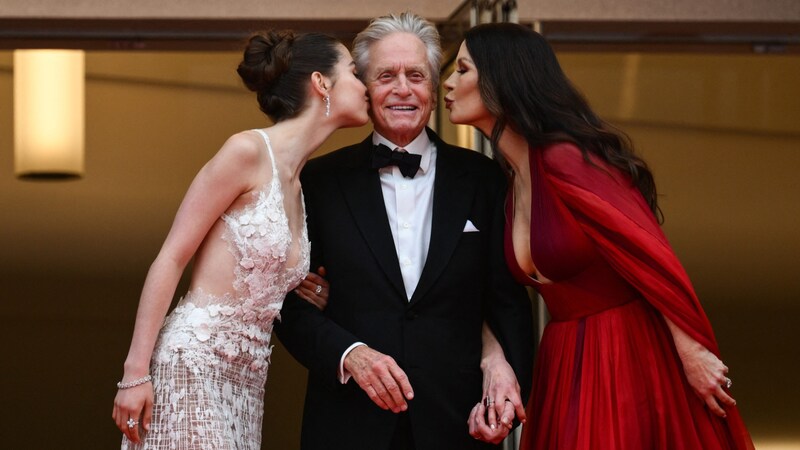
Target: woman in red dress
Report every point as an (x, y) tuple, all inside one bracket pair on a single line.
[(628, 359)]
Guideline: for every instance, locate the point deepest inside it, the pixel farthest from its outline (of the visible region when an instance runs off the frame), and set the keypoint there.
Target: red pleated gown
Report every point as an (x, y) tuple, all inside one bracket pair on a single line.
[(607, 374)]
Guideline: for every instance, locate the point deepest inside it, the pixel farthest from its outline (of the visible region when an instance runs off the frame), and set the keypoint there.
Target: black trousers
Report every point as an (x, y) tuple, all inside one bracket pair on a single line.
[(402, 439)]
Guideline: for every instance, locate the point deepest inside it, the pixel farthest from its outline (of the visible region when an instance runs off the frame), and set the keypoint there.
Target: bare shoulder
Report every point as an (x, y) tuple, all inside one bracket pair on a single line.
[(243, 152), (240, 161), (245, 147)]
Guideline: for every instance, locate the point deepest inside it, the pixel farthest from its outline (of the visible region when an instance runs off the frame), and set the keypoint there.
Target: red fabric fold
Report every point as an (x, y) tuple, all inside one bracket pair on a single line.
[(607, 373)]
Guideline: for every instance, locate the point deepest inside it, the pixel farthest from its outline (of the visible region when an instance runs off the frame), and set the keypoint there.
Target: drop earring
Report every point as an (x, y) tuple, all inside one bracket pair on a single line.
[(327, 106)]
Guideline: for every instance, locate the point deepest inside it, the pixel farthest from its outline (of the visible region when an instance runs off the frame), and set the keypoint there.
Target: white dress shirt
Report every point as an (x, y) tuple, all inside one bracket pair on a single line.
[(409, 207)]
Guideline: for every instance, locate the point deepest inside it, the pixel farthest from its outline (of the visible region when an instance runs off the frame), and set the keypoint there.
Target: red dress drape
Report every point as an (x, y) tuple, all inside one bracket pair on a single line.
[(607, 373)]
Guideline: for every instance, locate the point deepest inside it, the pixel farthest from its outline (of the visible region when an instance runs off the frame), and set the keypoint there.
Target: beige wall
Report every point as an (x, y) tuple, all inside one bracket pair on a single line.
[(659, 10), (719, 131)]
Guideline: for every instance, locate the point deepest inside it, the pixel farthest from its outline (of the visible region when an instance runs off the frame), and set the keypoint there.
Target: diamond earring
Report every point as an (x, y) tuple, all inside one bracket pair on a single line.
[(327, 106)]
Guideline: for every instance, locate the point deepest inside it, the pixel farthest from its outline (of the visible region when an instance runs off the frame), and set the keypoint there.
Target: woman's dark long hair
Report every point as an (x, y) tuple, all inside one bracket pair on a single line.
[(522, 85)]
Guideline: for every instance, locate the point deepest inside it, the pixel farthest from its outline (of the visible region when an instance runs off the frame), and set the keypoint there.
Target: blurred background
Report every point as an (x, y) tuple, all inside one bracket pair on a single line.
[(708, 92)]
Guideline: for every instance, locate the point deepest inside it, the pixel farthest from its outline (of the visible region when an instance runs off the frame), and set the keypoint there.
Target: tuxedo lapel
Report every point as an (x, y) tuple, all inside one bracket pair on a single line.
[(361, 188), (453, 192)]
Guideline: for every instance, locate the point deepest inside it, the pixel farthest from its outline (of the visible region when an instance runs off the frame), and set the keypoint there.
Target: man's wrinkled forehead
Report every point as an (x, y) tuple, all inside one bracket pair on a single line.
[(396, 67), (398, 52)]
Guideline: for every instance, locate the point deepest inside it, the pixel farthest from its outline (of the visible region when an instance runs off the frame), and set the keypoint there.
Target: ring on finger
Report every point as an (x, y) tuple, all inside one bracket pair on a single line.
[(132, 422), (728, 383), (318, 289), (488, 401)]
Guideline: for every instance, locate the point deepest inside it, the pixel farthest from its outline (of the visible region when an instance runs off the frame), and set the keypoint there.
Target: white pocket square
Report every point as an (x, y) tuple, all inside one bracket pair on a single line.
[(469, 227)]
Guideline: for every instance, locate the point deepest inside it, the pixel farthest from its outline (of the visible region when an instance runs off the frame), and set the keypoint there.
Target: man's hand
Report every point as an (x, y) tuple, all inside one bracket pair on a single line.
[(380, 377)]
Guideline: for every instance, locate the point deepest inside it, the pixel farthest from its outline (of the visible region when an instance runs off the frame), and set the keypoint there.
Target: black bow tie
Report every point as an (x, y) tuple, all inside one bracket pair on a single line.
[(408, 163)]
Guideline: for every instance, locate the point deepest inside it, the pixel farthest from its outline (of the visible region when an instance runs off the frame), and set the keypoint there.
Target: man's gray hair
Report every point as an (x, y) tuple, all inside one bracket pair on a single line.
[(406, 22)]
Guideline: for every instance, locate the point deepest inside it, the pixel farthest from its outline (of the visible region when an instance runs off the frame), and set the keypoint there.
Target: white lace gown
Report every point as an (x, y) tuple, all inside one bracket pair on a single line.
[(211, 359)]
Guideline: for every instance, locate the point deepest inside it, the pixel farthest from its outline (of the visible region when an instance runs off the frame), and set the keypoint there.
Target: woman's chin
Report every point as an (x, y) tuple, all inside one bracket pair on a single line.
[(455, 120), (356, 122)]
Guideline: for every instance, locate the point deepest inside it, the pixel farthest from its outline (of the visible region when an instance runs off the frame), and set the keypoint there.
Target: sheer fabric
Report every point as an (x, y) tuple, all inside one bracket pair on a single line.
[(211, 360), (607, 373)]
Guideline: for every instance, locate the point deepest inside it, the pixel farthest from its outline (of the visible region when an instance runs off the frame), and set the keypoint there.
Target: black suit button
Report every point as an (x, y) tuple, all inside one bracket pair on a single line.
[(411, 315)]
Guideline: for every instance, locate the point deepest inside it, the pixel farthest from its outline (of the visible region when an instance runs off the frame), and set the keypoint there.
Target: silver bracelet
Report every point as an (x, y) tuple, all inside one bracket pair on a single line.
[(134, 383)]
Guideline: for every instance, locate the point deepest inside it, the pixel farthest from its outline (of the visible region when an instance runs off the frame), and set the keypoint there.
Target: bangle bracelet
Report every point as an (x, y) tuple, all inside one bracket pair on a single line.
[(134, 383)]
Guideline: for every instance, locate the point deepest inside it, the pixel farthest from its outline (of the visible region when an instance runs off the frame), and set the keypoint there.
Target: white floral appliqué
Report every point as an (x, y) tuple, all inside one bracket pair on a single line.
[(213, 354)]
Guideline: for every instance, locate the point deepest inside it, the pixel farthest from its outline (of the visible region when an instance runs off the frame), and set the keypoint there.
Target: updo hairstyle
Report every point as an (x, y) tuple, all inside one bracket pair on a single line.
[(276, 65)]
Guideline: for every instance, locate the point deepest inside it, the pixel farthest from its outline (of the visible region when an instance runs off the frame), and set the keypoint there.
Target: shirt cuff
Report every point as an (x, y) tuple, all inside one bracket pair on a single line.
[(344, 376)]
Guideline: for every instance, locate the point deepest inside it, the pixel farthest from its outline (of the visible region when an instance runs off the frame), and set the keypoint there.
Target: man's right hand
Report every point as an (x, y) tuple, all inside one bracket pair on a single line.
[(380, 377)]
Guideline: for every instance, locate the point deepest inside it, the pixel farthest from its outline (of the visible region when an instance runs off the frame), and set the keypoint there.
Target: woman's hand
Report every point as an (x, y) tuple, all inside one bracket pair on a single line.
[(315, 289), (134, 403), (501, 393), (493, 418), (479, 427), (707, 375)]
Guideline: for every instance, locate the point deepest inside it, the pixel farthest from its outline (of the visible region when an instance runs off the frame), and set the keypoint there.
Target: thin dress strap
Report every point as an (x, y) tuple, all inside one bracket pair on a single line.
[(269, 150)]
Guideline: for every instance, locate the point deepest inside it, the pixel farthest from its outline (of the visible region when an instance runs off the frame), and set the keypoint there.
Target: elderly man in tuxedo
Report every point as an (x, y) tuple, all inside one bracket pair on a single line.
[(409, 230)]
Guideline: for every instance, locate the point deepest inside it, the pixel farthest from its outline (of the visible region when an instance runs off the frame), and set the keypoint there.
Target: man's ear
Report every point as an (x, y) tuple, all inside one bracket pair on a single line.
[(320, 83)]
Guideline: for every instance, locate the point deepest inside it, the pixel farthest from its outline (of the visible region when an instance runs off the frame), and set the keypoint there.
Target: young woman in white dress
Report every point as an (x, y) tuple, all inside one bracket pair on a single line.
[(196, 379)]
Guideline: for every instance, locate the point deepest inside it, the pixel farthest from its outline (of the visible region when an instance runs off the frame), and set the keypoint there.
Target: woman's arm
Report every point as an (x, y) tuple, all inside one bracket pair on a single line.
[(704, 371), (218, 184)]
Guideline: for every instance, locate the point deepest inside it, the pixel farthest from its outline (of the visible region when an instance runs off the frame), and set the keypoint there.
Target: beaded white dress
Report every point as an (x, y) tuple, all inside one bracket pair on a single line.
[(211, 359)]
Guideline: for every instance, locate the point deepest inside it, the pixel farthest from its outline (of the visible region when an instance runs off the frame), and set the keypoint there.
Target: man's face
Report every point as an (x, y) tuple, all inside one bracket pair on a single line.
[(400, 87)]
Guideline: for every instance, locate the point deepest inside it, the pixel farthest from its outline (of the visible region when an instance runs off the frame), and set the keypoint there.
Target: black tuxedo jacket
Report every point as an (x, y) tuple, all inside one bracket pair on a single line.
[(435, 336)]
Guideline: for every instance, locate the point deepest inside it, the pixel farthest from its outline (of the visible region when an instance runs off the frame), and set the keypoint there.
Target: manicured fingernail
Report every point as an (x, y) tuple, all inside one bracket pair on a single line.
[(492, 426)]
